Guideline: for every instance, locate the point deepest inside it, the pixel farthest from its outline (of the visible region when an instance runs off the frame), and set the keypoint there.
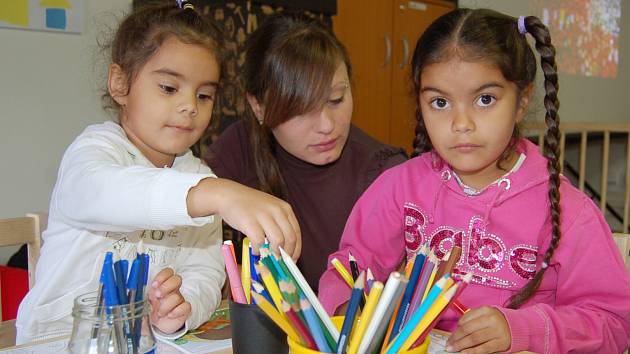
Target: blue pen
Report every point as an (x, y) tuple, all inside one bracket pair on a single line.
[(124, 264), (112, 302), (120, 282), (99, 292), (143, 277), (132, 288), (353, 306)]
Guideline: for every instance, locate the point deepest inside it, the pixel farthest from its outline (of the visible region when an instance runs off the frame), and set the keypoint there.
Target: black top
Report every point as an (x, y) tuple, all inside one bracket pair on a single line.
[(321, 196)]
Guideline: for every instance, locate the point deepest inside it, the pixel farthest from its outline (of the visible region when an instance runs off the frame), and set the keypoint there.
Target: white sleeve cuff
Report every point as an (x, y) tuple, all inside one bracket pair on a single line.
[(172, 336)]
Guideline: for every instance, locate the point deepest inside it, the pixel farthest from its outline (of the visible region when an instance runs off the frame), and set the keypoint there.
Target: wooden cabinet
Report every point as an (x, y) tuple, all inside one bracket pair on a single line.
[(380, 36)]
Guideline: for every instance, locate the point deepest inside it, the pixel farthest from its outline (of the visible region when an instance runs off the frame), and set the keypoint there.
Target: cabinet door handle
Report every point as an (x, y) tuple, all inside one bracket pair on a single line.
[(388, 50), (405, 58)]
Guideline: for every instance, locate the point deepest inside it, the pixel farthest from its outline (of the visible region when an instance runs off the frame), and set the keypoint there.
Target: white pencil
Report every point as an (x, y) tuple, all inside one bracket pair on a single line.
[(310, 295), (392, 293)]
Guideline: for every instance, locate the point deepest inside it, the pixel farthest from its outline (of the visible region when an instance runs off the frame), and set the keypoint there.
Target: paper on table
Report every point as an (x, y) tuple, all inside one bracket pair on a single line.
[(211, 336)]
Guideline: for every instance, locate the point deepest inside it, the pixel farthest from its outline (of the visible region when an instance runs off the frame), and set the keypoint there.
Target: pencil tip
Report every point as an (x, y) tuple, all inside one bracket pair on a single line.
[(358, 283)]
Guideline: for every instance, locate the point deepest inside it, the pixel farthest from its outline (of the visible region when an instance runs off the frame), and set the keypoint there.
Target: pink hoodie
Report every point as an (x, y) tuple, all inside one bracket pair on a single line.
[(583, 303)]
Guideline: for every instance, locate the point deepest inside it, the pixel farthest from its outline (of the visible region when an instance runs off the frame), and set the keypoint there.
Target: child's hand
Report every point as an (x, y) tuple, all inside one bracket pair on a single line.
[(254, 213), (481, 330), (169, 310)]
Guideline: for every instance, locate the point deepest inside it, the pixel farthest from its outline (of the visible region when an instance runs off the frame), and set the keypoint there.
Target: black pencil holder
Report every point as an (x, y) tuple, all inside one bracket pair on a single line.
[(254, 332)]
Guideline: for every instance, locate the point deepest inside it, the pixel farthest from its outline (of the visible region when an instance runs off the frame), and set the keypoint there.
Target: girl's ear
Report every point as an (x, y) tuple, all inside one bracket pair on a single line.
[(257, 108), (117, 84), (523, 103)]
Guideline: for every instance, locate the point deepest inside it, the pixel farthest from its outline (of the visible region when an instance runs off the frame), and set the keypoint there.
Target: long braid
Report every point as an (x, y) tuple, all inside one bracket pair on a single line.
[(551, 149)]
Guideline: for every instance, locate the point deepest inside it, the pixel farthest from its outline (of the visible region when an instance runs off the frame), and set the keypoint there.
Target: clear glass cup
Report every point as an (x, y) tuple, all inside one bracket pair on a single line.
[(123, 329)]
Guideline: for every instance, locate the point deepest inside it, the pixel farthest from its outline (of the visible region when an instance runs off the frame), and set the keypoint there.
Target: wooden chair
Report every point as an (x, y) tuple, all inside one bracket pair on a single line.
[(623, 242), (24, 230)]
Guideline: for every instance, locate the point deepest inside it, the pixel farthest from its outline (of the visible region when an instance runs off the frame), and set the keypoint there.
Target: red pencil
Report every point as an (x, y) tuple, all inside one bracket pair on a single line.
[(295, 320)]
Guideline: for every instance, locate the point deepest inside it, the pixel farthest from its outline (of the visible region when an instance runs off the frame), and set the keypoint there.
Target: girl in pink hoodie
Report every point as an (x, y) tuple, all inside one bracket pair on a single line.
[(547, 275)]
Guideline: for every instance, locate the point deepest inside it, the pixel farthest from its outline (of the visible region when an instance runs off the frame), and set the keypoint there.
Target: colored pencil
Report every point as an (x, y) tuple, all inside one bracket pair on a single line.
[(348, 322), (246, 270), (270, 284), (343, 272), (410, 335), (275, 316), (393, 291), (314, 326), (232, 271), (297, 323), (310, 295), (407, 296), (427, 271), (366, 317), (396, 343), (460, 287)]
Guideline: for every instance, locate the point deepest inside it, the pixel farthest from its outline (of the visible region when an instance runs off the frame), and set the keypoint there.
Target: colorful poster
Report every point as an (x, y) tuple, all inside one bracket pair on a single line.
[(46, 15), (585, 34)]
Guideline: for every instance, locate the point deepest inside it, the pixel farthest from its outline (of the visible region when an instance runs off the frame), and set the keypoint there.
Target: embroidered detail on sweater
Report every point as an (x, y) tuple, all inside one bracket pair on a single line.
[(484, 254)]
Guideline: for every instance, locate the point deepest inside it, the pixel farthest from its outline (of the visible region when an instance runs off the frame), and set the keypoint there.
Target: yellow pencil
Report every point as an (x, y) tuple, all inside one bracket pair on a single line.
[(366, 315), (275, 317), (409, 266), (440, 303), (343, 272), (271, 285), (245, 270)]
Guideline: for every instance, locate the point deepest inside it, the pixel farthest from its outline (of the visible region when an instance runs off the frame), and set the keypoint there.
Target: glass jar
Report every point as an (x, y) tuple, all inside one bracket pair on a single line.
[(123, 329)]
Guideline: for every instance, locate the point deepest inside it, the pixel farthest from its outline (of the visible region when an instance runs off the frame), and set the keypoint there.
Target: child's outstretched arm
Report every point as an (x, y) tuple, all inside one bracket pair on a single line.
[(374, 235), (254, 213), (101, 188), (592, 296)]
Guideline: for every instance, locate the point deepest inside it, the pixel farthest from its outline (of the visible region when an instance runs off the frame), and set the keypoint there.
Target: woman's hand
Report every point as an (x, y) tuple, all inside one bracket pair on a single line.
[(252, 212), (481, 330)]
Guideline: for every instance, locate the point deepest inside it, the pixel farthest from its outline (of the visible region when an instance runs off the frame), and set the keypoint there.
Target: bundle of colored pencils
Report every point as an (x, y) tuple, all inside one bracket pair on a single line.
[(397, 315)]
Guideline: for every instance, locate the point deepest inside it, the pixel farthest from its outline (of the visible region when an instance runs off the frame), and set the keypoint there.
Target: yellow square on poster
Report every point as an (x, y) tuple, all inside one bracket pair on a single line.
[(14, 12)]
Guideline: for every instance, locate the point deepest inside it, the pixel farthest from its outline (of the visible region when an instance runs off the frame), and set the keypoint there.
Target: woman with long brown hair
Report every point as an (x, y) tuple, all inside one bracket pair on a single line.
[(297, 142)]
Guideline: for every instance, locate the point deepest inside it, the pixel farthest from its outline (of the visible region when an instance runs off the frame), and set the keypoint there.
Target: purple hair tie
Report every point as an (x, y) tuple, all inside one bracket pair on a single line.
[(521, 25)]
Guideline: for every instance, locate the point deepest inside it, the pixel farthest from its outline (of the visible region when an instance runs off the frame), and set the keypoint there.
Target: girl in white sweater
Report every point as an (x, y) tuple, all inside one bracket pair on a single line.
[(134, 180)]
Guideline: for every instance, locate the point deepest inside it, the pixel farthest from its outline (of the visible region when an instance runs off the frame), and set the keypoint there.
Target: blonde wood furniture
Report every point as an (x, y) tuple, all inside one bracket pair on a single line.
[(584, 130), (623, 242), (18, 231), (380, 36)]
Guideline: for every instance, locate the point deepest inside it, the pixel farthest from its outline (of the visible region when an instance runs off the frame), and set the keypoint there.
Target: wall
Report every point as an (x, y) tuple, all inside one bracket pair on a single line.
[(583, 98), (48, 93)]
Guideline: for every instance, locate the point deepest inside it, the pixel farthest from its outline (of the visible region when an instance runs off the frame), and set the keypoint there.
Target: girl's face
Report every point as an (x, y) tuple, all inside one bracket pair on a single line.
[(470, 110), (169, 103), (319, 137)]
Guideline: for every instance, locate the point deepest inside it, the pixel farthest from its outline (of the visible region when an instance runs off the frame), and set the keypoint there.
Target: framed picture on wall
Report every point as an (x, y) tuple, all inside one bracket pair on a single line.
[(45, 15)]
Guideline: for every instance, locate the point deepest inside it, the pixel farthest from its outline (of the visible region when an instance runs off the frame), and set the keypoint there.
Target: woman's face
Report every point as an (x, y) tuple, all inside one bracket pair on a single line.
[(319, 137)]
